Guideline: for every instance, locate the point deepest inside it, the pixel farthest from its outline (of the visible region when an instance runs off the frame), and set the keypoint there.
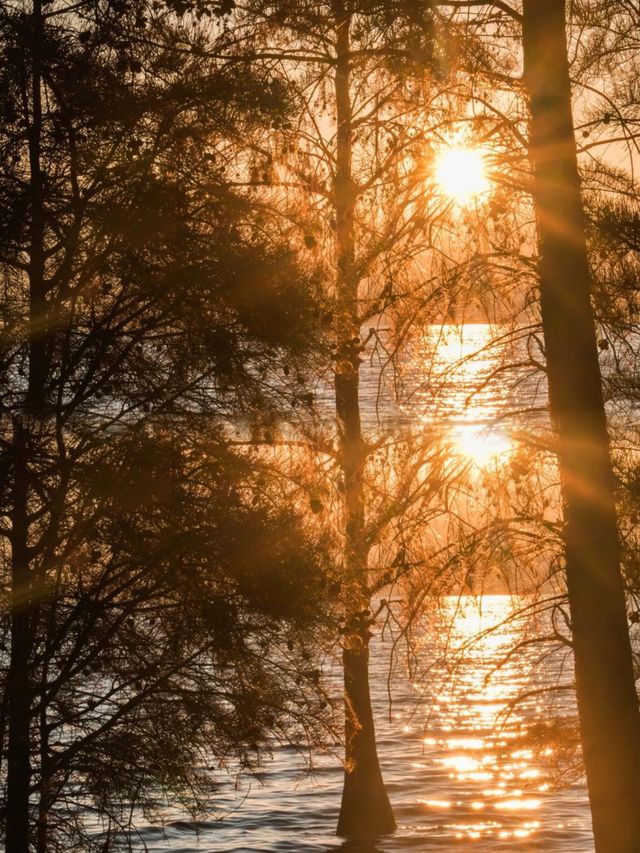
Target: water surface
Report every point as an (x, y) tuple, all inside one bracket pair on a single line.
[(461, 772)]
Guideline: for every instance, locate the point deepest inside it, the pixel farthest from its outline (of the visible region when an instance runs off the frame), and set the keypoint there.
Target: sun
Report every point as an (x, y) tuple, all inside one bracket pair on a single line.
[(484, 447), (460, 173)]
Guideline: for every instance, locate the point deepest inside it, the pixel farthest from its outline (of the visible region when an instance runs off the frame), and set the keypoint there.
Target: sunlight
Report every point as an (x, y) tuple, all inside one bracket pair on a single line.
[(481, 446), (485, 774), (474, 617), (460, 174), (465, 356), (297, 307)]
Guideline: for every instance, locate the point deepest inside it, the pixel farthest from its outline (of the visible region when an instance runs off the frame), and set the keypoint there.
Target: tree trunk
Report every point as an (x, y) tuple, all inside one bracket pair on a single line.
[(18, 683), (607, 700), (365, 810), (27, 429)]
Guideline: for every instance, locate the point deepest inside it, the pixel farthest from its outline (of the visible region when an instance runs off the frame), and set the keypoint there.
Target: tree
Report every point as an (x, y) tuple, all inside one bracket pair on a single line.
[(605, 683), (181, 639), (144, 307), (349, 172)]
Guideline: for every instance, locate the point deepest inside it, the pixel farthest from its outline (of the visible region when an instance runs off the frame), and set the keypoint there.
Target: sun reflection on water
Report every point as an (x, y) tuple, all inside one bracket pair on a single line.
[(494, 784), (463, 390)]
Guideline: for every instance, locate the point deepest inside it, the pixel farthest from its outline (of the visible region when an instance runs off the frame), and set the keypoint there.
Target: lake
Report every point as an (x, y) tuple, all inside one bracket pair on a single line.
[(459, 763), (460, 773)]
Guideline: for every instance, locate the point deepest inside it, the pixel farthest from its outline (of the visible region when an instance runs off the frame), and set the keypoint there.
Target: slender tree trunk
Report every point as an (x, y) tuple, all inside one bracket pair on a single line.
[(27, 427), (18, 682), (45, 768), (607, 700), (365, 811), (44, 798)]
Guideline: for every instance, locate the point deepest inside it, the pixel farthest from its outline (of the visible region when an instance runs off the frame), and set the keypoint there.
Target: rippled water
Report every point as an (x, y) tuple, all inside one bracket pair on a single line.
[(475, 381), (459, 769)]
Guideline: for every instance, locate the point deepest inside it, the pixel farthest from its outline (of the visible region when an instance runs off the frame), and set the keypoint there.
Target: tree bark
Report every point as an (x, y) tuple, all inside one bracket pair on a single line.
[(365, 810), (607, 699)]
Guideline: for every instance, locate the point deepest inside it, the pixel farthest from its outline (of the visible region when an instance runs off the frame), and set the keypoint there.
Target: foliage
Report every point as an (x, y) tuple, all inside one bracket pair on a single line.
[(172, 589)]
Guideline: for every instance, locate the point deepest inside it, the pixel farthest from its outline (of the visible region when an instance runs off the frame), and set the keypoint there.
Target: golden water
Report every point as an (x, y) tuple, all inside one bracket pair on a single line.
[(461, 768)]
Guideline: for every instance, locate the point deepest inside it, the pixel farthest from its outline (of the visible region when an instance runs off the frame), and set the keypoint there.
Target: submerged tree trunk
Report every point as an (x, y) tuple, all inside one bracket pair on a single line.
[(607, 700), (365, 810)]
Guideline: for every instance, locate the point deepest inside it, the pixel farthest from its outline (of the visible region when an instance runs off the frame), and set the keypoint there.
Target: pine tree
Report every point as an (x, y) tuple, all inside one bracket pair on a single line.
[(145, 308), (349, 172), (605, 682)]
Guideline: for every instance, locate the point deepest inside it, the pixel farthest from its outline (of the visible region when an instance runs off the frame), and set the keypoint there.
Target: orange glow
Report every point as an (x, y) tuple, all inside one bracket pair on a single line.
[(461, 175)]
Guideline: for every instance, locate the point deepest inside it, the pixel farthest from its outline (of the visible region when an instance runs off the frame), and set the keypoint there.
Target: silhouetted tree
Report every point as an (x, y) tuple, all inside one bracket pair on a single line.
[(605, 684), (349, 172), (154, 582)]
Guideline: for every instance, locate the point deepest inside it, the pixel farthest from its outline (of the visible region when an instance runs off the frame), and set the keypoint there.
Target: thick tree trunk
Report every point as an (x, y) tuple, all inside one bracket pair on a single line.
[(365, 811), (607, 700)]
